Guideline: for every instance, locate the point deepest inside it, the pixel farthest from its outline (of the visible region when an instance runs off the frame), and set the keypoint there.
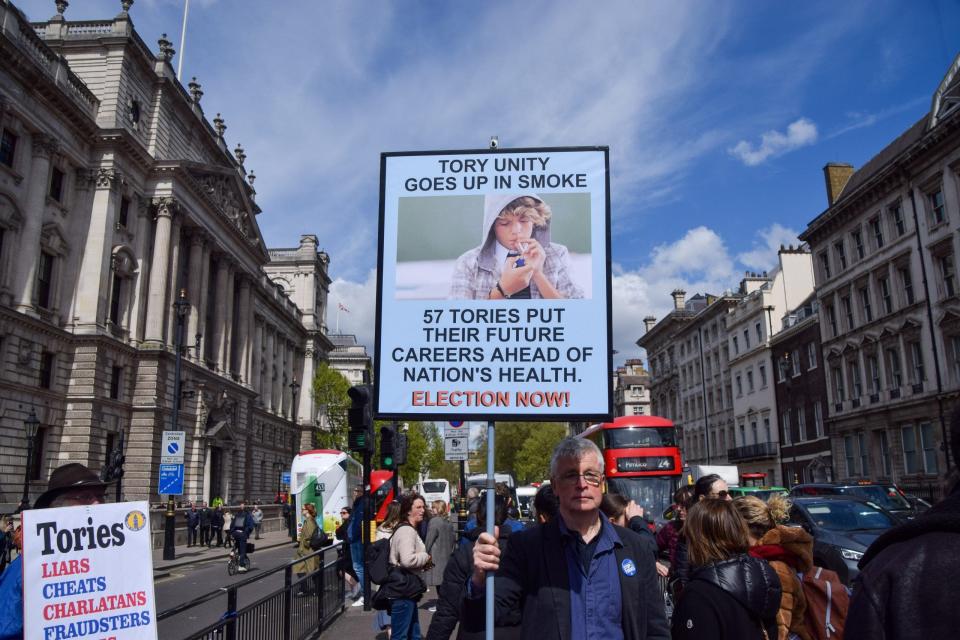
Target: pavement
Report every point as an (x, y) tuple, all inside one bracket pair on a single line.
[(198, 554), (354, 622)]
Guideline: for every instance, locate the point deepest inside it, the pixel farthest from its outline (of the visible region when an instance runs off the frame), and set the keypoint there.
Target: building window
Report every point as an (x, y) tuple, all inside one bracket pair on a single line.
[(839, 394), (856, 385), (750, 381), (46, 370), (825, 265), (865, 303), (916, 362), (858, 244), (736, 346), (947, 275), (36, 461), (801, 424), (811, 355), (116, 378), (929, 448), (766, 429), (45, 280), (848, 455), (876, 228), (832, 321), (739, 386), (759, 329), (847, 311), (795, 362), (955, 350), (896, 212), (743, 435), (873, 369), (817, 420), (124, 213), (937, 211), (56, 184), (907, 282), (753, 432), (637, 410), (8, 147), (893, 359), (782, 369), (908, 441), (841, 255), (864, 453), (763, 376), (885, 453), (116, 291), (885, 295), (746, 339), (785, 425)]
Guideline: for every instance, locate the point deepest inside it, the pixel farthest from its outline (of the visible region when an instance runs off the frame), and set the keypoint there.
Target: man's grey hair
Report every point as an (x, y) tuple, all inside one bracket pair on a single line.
[(472, 493), (574, 448)]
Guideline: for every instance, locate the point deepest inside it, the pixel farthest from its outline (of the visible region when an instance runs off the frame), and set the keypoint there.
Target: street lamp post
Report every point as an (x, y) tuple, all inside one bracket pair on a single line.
[(294, 389), (30, 426), (182, 308)]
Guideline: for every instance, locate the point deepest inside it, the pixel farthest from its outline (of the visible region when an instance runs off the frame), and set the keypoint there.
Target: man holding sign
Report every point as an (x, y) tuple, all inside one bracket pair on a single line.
[(577, 576)]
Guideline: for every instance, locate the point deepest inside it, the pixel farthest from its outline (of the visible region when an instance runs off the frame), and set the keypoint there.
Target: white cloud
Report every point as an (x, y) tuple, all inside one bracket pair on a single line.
[(763, 255), (361, 300), (800, 133)]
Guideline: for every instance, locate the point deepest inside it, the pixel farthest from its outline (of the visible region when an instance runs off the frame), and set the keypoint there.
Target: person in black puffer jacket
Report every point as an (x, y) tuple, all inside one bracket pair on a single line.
[(731, 595), (459, 569)]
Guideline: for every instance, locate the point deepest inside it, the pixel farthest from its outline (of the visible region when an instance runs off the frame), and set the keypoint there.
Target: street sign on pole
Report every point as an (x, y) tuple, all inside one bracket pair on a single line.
[(457, 448), (171, 447), (171, 480)]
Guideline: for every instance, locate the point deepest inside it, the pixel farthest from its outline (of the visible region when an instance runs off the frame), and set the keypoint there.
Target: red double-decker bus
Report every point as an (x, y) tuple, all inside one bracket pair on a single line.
[(641, 459)]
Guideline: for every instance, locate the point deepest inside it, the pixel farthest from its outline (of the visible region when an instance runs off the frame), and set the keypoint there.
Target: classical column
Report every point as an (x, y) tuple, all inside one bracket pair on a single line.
[(220, 312), (228, 343), (266, 389), (243, 329), (204, 300), (194, 286), (305, 409), (279, 351), (44, 146), (288, 392), (255, 362), (140, 299), (175, 282), (159, 270), (93, 283)]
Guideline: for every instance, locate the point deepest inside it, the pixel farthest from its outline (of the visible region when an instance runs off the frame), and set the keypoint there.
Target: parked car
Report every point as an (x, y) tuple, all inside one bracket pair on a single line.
[(842, 527), (887, 496)]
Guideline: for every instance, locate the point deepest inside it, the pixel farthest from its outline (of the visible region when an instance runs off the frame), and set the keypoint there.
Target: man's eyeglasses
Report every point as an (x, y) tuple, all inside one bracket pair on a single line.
[(592, 478)]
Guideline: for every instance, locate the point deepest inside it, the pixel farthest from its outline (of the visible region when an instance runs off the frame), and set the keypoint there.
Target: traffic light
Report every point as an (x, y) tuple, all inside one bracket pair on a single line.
[(360, 418), (400, 456), (388, 436)]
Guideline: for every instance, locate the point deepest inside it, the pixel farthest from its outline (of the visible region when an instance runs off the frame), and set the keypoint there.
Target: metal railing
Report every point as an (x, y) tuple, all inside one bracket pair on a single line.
[(281, 615)]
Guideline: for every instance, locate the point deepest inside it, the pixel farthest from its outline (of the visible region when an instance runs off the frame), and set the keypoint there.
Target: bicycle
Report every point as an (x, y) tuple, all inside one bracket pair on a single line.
[(233, 564)]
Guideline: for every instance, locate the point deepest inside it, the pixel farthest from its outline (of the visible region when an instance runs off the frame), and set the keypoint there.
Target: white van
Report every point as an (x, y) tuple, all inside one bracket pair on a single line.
[(435, 489), (525, 496)]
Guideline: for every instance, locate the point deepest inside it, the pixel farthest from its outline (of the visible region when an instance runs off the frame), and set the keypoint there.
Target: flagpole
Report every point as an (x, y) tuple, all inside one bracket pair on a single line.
[(338, 319), (183, 38)]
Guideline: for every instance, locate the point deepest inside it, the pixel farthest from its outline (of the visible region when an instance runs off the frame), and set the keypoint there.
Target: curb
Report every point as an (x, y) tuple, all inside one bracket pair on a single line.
[(163, 571)]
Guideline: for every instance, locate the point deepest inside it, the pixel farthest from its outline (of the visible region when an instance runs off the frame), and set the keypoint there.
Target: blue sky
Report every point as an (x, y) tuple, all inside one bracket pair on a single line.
[(719, 116)]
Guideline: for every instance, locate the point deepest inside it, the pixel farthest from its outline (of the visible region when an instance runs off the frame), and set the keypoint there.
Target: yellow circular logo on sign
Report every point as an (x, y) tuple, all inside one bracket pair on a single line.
[(135, 520)]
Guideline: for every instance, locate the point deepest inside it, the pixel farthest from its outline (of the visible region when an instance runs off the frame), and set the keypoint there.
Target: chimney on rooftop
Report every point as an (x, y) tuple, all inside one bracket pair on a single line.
[(836, 175), (649, 322), (678, 295)]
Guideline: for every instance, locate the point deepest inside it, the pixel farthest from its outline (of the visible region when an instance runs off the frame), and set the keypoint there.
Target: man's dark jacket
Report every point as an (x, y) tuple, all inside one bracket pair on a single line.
[(533, 578), (907, 585)]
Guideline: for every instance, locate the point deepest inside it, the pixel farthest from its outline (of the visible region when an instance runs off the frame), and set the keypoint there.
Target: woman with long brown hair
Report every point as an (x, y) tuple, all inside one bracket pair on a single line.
[(310, 565), (731, 595)]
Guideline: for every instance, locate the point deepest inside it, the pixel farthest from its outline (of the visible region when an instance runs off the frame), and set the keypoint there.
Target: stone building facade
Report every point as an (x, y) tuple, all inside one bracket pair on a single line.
[(631, 389), (885, 255), (350, 358), (116, 194)]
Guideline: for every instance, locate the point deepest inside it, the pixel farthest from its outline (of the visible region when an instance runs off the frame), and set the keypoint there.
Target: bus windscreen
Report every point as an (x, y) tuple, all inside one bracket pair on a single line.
[(639, 437)]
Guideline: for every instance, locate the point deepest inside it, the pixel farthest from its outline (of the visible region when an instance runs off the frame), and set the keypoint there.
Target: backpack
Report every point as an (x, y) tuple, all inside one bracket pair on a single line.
[(827, 603), (318, 540), (378, 560)]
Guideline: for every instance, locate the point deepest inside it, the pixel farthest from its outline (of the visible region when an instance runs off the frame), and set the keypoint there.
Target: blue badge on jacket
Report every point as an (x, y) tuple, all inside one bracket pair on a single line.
[(628, 567)]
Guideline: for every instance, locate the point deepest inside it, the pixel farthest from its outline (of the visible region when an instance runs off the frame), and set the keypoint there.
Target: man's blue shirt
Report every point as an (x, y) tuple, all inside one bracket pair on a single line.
[(595, 599)]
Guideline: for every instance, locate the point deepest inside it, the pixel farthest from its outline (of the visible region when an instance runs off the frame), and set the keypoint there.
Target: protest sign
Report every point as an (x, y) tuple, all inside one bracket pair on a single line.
[(493, 289), (88, 572)]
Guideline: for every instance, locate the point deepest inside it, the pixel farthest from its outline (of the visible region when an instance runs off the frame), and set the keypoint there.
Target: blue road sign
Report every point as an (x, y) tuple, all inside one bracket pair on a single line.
[(172, 448), (171, 480), (285, 477), (456, 423)]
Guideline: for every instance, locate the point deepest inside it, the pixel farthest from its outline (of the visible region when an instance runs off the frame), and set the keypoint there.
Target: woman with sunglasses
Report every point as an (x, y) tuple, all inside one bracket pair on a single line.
[(711, 487), (345, 564)]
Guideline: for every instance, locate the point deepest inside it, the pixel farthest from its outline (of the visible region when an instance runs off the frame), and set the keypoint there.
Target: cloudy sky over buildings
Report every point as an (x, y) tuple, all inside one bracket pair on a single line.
[(719, 116)]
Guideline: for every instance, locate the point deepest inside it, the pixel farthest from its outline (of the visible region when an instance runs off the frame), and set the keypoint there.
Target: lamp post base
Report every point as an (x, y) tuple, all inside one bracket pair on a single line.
[(169, 532)]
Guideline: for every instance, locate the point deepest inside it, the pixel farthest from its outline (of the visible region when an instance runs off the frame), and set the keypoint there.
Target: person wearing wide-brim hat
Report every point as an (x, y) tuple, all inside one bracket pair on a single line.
[(70, 485)]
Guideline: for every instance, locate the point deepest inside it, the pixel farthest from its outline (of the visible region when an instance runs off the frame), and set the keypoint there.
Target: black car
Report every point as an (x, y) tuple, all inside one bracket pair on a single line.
[(842, 528), (888, 495)]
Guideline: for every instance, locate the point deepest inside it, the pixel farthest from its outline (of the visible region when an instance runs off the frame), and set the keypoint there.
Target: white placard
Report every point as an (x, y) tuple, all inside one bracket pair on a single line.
[(449, 343), (456, 448), (88, 572), (171, 447)]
